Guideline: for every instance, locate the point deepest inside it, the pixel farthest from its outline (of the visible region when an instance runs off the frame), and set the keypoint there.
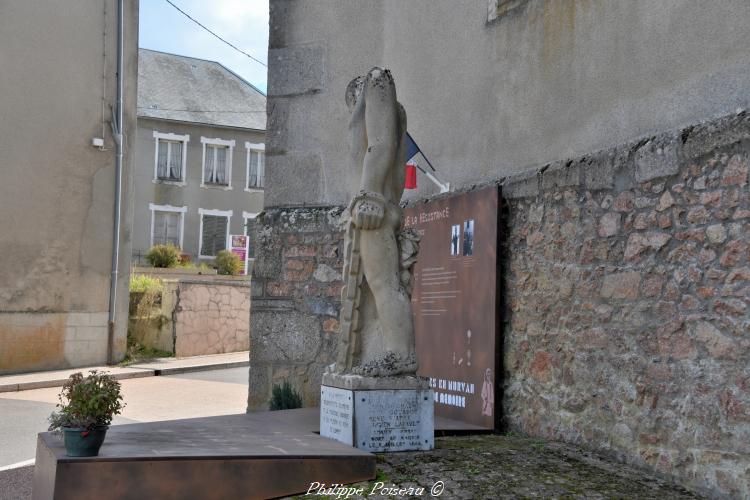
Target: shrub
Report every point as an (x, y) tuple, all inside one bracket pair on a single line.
[(145, 300), (228, 263), (87, 402), (143, 283), (284, 397), (163, 256)]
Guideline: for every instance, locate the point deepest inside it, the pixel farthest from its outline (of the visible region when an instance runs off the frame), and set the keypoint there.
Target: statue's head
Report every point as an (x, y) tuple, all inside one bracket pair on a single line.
[(354, 91)]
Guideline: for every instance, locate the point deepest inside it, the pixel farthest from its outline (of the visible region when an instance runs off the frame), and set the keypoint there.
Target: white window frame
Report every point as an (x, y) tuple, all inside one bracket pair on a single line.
[(248, 215), (258, 147), (222, 213), (184, 139), (167, 208), (217, 142)]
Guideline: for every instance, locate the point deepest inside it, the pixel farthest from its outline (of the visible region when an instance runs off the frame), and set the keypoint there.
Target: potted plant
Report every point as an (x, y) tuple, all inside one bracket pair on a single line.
[(87, 406)]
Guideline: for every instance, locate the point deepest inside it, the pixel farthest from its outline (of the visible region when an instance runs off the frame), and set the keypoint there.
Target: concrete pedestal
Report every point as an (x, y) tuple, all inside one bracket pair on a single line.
[(378, 414)]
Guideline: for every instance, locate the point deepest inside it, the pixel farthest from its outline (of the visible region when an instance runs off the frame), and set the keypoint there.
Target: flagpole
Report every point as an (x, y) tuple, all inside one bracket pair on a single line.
[(415, 150)]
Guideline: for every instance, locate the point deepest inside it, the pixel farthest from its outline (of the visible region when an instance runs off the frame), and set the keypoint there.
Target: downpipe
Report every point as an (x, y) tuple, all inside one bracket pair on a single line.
[(117, 124)]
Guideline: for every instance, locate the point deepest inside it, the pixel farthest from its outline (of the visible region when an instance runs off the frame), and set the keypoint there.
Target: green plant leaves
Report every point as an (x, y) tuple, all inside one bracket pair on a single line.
[(284, 397), (87, 402)]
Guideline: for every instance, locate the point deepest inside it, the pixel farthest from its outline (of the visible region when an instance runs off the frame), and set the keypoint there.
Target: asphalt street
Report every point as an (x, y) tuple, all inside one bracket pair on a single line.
[(200, 394)]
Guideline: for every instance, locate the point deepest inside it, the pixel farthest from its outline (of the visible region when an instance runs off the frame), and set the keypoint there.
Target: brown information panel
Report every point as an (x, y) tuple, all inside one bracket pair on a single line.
[(455, 302)]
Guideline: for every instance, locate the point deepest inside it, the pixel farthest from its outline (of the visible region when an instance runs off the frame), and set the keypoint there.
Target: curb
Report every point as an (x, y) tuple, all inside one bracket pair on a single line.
[(138, 372), (199, 368), (18, 465), (58, 382)]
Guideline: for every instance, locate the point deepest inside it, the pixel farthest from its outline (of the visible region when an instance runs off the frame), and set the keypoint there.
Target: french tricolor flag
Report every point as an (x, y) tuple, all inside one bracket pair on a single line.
[(412, 150)]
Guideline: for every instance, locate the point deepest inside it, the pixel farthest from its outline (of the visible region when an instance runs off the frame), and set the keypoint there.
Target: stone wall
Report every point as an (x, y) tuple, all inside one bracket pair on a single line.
[(211, 317), (296, 299), (628, 286), (627, 289), (197, 315)]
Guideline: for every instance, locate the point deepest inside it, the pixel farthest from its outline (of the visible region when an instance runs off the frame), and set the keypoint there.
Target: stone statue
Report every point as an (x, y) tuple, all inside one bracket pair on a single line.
[(377, 331)]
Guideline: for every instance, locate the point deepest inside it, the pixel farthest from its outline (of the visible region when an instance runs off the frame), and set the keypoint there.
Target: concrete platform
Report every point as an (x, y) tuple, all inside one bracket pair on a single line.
[(257, 455)]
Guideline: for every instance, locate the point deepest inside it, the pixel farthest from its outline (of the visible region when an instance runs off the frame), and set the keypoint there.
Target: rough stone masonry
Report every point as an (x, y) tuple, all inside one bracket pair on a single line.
[(296, 297), (627, 292)]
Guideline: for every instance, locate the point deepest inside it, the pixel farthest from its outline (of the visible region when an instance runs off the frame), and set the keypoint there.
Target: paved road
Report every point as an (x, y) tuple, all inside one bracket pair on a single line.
[(199, 394)]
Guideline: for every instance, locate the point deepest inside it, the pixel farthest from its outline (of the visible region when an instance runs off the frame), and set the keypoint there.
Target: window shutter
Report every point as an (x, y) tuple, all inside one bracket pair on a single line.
[(249, 228), (214, 237)]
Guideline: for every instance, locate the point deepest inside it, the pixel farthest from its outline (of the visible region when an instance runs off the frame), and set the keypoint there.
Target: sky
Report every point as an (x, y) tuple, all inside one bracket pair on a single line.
[(243, 23)]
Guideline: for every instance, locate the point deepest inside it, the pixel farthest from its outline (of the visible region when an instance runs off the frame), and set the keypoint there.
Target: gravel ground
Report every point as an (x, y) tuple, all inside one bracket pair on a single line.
[(495, 467), (15, 484)]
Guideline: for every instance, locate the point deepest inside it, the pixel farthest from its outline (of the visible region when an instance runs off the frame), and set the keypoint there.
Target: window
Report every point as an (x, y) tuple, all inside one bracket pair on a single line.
[(249, 218), (256, 166), (215, 171), (214, 231), (170, 157), (217, 163), (167, 223)]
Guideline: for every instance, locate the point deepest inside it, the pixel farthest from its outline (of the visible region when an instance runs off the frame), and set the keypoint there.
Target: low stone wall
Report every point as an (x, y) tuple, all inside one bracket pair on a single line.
[(627, 321), (296, 299), (197, 315), (211, 317)]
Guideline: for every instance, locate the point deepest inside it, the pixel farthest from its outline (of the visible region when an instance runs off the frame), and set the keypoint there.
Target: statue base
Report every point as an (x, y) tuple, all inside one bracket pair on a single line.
[(378, 414)]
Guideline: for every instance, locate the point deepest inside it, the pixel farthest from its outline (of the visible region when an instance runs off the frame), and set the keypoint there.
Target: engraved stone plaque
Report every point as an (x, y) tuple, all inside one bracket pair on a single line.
[(378, 420), (336, 414), (394, 420)]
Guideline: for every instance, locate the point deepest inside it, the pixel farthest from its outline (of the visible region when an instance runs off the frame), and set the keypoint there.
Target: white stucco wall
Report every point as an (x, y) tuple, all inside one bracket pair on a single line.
[(548, 80)]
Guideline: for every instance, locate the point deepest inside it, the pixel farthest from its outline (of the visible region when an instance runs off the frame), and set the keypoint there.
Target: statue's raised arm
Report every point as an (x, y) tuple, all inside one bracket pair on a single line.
[(377, 332)]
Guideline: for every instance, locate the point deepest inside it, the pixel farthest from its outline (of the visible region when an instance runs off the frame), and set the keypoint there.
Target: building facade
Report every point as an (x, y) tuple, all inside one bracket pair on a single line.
[(200, 167), (57, 91), (617, 133)]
